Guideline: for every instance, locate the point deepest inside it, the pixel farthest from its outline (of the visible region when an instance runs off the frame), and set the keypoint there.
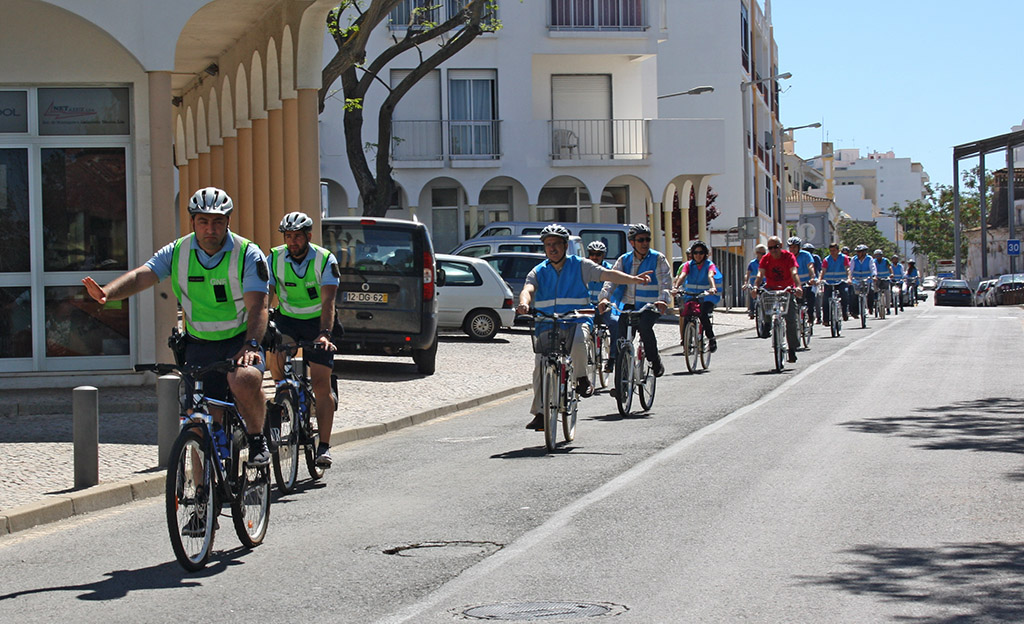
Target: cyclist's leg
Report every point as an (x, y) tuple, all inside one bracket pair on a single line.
[(613, 333), (535, 407), (826, 294), (645, 327), (579, 359), (706, 307), (809, 302), (792, 329)]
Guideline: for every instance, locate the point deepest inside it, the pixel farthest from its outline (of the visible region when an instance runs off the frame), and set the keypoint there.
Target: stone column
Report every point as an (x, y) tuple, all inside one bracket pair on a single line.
[(666, 219), (184, 194), (231, 166), (261, 182), (702, 220), (243, 221), (532, 212), (275, 119), (309, 157), (656, 226), (290, 129), (161, 200), (205, 170)]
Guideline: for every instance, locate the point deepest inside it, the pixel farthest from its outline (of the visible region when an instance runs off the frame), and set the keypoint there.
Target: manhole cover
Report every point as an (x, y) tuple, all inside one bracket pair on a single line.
[(447, 549), (547, 610)]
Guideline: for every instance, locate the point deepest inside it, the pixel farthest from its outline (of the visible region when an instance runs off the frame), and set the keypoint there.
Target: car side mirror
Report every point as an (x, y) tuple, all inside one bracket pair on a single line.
[(440, 278)]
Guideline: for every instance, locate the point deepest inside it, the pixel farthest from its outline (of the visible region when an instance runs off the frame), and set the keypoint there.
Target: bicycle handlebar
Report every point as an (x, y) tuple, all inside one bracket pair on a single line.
[(564, 315), (192, 370), (292, 347)]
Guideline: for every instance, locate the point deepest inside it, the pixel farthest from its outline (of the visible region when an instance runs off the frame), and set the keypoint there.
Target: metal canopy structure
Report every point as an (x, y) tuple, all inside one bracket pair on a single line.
[(980, 148)]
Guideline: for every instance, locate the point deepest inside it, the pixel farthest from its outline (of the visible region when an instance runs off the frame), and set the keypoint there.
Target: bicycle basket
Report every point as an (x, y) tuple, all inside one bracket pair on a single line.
[(776, 302), (692, 308), (548, 337), (862, 287)]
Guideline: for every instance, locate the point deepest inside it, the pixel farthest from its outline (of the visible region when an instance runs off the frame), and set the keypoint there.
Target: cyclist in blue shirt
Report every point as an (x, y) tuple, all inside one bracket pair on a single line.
[(884, 275), (862, 267), (816, 309), (760, 250), (597, 251), (805, 270), (220, 279), (897, 280), (835, 270), (913, 281), (695, 277)]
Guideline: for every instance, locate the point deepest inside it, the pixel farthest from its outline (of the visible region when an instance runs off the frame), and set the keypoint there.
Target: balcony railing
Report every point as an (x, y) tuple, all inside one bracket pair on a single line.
[(612, 15), (446, 139), (599, 139), (430, 11)]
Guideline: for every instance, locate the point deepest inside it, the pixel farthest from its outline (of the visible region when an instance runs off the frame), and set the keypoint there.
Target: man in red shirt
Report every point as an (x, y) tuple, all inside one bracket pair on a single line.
[(777, 271)]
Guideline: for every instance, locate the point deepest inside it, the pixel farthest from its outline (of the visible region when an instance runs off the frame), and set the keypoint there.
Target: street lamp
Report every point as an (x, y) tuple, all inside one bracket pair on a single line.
[(816, 124), (785, 76), (693, 91)]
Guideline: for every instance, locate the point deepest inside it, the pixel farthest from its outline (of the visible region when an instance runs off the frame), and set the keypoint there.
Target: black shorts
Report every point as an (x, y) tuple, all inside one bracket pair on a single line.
[(203, 352), (304, 329)]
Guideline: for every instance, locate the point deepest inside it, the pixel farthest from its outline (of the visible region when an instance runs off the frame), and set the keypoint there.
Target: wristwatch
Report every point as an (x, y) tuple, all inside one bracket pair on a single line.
[(326, 333), (252, 344)]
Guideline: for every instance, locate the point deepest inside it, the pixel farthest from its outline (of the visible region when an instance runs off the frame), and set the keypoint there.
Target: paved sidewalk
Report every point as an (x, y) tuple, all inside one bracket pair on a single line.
[(377, 395)]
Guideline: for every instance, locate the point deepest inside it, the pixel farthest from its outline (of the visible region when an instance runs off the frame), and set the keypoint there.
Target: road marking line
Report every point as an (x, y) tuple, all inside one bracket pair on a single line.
[(563, 516)]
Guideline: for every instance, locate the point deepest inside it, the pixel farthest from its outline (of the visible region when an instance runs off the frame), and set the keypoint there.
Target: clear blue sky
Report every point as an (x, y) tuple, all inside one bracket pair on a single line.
[(913, 76)]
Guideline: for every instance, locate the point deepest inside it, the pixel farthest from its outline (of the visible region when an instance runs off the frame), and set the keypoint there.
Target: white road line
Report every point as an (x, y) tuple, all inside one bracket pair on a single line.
[(562, 517)]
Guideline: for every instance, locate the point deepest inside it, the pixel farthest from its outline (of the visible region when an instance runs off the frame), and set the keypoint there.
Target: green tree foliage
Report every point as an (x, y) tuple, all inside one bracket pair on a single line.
[(928, 222), (350, 24), (853, 233), (677, 214)]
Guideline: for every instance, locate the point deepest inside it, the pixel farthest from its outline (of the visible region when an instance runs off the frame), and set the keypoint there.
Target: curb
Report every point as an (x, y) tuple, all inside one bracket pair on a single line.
[(107, 495)]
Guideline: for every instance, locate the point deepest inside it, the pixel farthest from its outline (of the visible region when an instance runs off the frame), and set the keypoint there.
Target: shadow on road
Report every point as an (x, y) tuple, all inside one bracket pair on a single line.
[(960, 582), (994, 424)]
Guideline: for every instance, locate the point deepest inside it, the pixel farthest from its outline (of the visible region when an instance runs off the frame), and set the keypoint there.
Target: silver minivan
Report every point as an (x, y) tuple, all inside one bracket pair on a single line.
[(485, 246)]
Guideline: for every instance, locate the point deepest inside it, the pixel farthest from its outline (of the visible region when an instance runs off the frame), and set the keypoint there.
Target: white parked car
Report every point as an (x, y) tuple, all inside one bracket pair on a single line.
[(474, 298)]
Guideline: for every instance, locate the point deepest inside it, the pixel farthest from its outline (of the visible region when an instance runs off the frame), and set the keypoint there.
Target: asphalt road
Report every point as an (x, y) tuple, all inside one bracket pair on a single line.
[(878, 479)]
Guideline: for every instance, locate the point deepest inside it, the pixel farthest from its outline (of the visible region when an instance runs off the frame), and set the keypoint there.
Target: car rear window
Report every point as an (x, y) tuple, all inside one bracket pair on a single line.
[(954, 284), (615, 242), (521, 247), (374, 249)]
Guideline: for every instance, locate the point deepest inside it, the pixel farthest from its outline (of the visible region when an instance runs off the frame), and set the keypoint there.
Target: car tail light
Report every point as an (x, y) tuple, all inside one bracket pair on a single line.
[(507, 304), (428, 276), (941, 291), (367, 222)]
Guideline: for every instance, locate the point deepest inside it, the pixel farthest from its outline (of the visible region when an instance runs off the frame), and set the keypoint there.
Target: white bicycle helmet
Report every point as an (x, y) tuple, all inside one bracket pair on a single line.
[(210, 200), (294, 222), (554, 230), (638, 228), (793, 240), (597, 247)]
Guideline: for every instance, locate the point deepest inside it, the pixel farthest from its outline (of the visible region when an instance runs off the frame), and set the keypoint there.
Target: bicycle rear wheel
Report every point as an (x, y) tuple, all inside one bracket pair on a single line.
[(805, 328), (759, 321), (778, 344), (592, 360), (691, 346), (647, 383), (549, 405), (572, 404), (863, 311), (312, 437), (624, 381), (705, 350), (286, 456), (189, 500)]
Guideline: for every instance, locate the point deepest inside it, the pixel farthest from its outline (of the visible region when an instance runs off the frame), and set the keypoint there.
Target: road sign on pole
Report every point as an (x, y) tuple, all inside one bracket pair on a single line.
[(1013, 247)]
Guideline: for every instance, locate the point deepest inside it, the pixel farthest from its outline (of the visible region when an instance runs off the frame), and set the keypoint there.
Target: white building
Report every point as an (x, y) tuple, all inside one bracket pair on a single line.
[(553, 118), (107, 107)]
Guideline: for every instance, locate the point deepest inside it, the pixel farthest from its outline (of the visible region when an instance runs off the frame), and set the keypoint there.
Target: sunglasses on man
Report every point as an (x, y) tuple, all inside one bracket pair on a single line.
[(643, 240)]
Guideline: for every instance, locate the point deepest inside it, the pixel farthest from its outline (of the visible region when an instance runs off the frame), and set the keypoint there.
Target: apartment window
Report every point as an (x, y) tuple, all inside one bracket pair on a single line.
[(745, 35), (473, 113), (415, 13), (768, 201), (597, 15)]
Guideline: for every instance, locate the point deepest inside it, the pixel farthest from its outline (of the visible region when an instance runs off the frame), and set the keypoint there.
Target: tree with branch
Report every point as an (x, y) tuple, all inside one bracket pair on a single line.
[(357, 74)]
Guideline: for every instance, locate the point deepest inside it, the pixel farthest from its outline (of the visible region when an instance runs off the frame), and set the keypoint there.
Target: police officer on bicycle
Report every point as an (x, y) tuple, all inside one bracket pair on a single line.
[(559, 285), (305, 277), (220, 279)]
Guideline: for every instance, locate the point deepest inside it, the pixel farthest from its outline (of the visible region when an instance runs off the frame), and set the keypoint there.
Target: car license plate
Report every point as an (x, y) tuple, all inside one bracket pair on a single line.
[(364, 297)]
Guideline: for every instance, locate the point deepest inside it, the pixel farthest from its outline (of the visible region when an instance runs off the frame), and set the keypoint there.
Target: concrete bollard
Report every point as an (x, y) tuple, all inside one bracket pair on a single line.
[(167, 423), (85, 434)]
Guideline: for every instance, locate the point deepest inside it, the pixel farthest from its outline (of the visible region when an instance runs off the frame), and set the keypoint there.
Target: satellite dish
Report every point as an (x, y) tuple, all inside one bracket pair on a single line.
[(807, 231)]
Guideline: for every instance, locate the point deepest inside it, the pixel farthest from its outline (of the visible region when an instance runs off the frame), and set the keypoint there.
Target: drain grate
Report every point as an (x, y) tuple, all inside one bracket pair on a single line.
[(546, 610)]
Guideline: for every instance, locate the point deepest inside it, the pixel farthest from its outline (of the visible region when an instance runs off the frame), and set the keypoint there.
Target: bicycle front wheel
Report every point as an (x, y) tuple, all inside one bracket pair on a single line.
[(593, 363), (189, 500), (571, 407), (550, 400), (805, 329), (646, 384), (778, 344), (624, 381), (312, 436), (286, 456), (705, 351), (251, 510), (691, 346), (604, 347), (863, 312)]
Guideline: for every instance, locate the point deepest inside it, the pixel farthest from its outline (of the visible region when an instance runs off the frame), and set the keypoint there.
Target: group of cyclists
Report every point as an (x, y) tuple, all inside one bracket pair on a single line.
[(224, 283)]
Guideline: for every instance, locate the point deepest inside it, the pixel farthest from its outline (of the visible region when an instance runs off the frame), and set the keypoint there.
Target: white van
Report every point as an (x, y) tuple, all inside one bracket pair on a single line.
[(613, 235), (487, 245)]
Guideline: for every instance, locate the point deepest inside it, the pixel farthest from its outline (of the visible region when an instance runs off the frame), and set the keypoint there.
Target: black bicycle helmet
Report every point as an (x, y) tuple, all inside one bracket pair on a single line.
[(210, 200), (698, 243), (294, 222), (554, 230), (638, 228), (809, 246)]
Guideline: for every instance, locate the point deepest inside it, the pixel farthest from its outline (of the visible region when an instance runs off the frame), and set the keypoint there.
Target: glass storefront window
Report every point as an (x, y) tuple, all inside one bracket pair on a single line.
[(14, 211), (13, 112), (15, 322), (78, 326), (89, 111), (85, 209)]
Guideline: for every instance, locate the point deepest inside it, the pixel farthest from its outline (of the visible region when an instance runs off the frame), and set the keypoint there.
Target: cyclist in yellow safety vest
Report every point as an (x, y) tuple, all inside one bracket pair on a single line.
[(305, 277), (220, 279)]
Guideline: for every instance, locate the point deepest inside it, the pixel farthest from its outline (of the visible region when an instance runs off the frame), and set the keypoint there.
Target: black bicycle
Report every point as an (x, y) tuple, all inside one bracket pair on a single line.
[(291, 418), (207, 468)]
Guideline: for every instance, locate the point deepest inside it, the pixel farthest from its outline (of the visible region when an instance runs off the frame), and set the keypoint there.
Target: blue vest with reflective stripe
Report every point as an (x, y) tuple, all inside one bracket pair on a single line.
[(595, 287), (897, 270), (882, 267), (645, 293), (804, 260), (863, 269), (562, 291), (834, 270), (698, 280)]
